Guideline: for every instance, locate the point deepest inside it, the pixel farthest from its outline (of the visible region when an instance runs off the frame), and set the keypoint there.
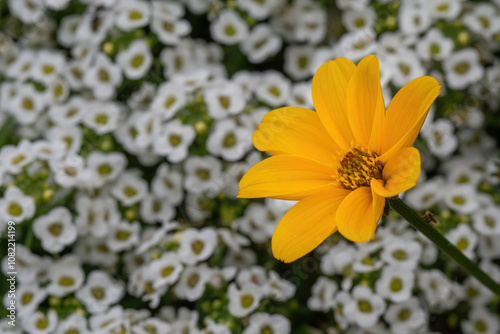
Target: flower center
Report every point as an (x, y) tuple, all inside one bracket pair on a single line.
[(358, 167)]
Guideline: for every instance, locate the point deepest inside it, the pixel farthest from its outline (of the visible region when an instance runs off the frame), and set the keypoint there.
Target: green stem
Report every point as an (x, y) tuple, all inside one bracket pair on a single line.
[(414, 219)]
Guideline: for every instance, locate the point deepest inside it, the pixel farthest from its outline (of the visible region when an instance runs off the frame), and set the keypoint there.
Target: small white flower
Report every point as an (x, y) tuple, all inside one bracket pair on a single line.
[(399, 251), (242, 259), (246, 80), (359, 19), (49, 65), (99, 292), (40, 323), (406, 317), (406, 67), (435, 46), (483, 19), (338, 260), (55, 230), (229, 28), (481, 321), (203, 174), (74, 323), (130, 188), (474, 142), (169, 99), (463, 68), (132, 14), (279, 288), (151, 325), (243, 301), (322, 294), (167, 22), (29, 11), (136, 60), (56, 4), (413, 17), (74, 74), (298, 61), (58, 90), (68, 172), (103, 77), (342, 299), (27, 105), (15, 158), (192, 283), (155, 209), (95, 251), (232, 239), (440, 138), (261, 322), (259, 9), (489, 247), (445, 9), (426, 194), (166, 269), (90, 216), (272, 88), (197, 245), (27, 264), (462, 172), (28, 298), (365, 308), (464, 238), (66, 276), (95, 24), (439, 291), (168, 184), (174, 140), (110, 320), (105, 167), (251, 223), (476, 292), (396, 283), (357, 44), (365, 261), (123, 235), (487, 221), (228, 140), (141, 99), (69, 113), (261, 43), (102, 117), (224, 99), (214, 328), (301, 95), (309, 22), (462, 199)]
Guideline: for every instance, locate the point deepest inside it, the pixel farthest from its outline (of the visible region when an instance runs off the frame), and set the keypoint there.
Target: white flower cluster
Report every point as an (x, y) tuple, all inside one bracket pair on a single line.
[(127, 125)]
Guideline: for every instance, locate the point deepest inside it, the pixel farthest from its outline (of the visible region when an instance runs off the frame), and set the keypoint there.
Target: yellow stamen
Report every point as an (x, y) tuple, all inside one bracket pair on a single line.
[(358, 167)]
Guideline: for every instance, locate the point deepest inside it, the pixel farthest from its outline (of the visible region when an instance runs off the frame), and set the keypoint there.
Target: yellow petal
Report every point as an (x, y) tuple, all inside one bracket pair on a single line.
[(359, 213), (307, 224), (286, 177), (400, 173), (365, 102), (406, 114), (329, 89), (296, 131)]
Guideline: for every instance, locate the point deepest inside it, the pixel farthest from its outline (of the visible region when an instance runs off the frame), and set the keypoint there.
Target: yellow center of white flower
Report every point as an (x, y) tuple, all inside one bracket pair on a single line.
[(358, 167)]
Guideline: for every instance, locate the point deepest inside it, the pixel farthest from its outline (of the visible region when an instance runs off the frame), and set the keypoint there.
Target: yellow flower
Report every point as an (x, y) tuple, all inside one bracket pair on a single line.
[(341, 161)]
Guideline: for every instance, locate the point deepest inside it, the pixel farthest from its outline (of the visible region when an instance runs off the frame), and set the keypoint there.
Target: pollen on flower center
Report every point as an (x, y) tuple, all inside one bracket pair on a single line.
[(358, 167)]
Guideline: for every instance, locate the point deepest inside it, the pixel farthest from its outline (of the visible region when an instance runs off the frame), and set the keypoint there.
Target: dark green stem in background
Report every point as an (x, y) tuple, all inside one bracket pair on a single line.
[(439, 240)]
